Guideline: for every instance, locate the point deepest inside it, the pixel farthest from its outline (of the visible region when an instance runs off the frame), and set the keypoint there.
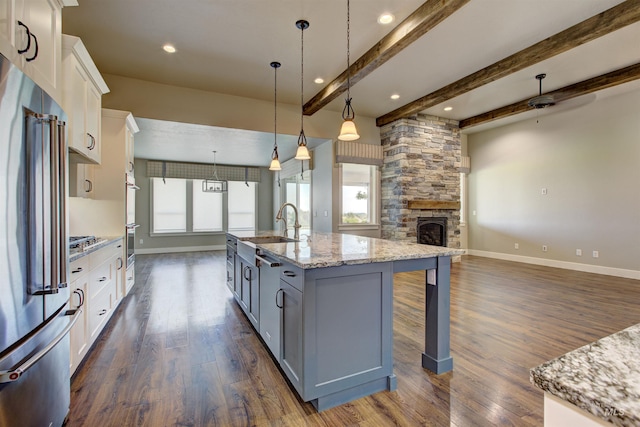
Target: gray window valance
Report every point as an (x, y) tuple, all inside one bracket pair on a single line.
[(184, 170), (358, 152)]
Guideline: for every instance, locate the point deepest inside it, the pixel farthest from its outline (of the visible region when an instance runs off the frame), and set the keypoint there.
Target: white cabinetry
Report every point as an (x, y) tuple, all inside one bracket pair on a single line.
[(82, 90), (30, 37), (96, 286)]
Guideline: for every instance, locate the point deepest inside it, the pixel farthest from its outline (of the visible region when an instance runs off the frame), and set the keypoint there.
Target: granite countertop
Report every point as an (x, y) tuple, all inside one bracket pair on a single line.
[(316, 250), (106, 242), (602, 378)]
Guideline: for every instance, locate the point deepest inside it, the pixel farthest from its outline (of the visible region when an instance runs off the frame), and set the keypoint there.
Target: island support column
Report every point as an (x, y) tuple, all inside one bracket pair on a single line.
[(437, 354)]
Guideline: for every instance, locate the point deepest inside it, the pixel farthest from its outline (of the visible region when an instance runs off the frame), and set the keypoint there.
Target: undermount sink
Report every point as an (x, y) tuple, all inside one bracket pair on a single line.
[(270, 239)]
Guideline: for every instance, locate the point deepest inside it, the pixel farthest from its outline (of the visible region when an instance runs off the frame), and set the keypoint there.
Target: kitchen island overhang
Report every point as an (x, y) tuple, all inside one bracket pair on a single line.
[(334, 303)]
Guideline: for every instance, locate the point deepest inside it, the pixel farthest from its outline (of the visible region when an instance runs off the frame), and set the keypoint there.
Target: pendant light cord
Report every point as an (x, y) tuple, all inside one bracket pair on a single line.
[(302, 77), (348, 62)]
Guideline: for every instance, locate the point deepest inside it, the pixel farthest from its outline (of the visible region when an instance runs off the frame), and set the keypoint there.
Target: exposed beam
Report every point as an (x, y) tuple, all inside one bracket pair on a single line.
[(423, 19), (610, 20), (614, 78)]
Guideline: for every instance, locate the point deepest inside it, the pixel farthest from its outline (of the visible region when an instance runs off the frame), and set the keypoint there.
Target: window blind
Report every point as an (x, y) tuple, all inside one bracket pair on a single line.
[(357, 152), (184, 170)]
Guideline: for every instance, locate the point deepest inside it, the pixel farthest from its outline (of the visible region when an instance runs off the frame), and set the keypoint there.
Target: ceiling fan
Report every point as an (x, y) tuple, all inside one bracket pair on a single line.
[(541, 101)]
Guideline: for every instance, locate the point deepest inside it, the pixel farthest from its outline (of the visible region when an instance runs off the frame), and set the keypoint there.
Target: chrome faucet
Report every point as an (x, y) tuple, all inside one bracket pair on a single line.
[(296, 225)]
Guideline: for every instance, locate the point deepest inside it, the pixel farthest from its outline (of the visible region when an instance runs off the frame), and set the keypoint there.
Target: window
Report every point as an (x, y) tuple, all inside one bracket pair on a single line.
[(207, 209), (358, 198), (169, 205), (179, 206), (242, 206)]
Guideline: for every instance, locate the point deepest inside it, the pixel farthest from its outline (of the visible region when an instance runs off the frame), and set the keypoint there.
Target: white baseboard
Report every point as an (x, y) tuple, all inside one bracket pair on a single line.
[(597, 269), (180, 249)]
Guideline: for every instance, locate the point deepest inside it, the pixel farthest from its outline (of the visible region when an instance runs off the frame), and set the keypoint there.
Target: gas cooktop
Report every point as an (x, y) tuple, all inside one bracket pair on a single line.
[(83, 243)]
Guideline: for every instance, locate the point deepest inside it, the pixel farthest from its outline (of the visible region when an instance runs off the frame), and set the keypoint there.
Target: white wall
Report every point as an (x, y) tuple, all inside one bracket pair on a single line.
[(588, 159)]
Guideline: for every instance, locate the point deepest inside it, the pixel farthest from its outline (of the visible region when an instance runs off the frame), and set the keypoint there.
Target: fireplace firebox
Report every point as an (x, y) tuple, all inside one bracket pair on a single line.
[(432, 231)]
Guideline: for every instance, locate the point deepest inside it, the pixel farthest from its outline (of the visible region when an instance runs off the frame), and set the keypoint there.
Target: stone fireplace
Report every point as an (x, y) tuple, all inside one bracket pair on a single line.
[(421, 177)]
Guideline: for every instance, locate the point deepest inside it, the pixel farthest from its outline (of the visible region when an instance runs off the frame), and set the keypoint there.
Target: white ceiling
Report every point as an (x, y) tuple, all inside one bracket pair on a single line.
[(226, 46)]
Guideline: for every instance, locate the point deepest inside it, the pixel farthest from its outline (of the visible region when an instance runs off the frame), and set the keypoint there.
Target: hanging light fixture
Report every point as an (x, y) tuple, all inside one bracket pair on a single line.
[(348, 131), (275, 161), (303, 152), (214, 185)]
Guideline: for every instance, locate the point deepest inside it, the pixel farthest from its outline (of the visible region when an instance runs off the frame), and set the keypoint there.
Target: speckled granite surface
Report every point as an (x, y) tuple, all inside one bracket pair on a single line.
[(331, 249), (602, 378), (108, 241)]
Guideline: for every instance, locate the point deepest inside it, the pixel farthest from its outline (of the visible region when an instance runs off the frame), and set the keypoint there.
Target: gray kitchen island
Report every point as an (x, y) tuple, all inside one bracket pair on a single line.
[(323, 305)]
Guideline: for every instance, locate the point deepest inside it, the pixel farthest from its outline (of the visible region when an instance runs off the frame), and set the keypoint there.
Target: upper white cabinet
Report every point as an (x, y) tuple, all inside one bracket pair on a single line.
[(30, 37), (82, 90)]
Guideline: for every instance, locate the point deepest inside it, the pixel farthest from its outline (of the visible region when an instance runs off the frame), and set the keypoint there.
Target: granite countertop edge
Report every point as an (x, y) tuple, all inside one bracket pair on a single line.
[(598, 378), (404, 251), (107, 241)]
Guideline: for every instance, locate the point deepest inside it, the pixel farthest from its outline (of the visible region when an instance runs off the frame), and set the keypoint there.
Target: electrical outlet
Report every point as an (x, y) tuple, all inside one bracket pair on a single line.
[(596, 254), (544, 191), (517, 246), (544, 248), (579, 252), (141, 241)]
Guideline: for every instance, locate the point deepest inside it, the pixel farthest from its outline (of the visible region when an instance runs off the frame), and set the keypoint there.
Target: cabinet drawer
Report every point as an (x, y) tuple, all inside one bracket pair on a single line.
[(292, 275), (101, 255), (99, 309), (78, 268), (99, 278)]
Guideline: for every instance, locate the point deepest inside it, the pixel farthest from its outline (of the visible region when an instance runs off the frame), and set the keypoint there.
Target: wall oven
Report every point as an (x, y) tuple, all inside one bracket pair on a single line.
[(131, 219)]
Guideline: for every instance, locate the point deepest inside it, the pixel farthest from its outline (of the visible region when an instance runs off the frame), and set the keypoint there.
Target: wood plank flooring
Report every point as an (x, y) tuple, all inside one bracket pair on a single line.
[(179, 352)]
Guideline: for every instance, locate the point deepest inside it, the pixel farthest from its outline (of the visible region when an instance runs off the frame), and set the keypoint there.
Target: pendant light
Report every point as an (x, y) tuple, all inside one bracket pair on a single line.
[(348, 131), (275, 161), (303, 152), (214, 185)]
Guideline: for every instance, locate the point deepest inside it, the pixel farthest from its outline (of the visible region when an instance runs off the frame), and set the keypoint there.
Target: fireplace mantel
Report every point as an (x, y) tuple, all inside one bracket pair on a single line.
[(433, 204)]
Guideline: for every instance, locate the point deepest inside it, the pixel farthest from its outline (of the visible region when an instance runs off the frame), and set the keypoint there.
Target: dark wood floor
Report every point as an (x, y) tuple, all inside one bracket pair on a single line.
[(179, 352)]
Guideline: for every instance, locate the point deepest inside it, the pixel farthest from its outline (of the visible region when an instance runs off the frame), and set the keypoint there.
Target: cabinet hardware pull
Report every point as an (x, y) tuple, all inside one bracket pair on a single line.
[(89, 187), (102, 279), (92, 144), (77, 270), (247, 268), (132, 168), (21, 51), (289, 273), (80, 294), (278, 305), (102, 312), (35, 54), (121, 263), (119, 246)]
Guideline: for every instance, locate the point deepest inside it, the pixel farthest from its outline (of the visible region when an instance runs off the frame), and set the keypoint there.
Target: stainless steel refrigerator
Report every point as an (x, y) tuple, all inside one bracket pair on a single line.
[(34, 324)]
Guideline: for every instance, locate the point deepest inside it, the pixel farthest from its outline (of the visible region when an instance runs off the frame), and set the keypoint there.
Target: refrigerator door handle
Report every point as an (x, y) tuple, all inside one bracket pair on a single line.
[(12, 375)]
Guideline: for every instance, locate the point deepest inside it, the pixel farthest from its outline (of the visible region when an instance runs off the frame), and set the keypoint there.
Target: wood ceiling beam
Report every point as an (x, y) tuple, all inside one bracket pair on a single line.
[(625, 13), (423, 19), (614, 78)]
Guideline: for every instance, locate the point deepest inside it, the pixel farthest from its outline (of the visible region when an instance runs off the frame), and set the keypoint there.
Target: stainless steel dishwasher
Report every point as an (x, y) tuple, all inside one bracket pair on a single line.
[(270, 312)]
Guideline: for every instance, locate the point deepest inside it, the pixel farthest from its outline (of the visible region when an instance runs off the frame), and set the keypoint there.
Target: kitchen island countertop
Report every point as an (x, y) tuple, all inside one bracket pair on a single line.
[(602, 378), (318, 249)]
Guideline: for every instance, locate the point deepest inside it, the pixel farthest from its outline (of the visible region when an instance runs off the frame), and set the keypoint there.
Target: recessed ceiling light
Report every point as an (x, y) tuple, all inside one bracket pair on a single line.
[(385, 18), (395, 96), (169, 48), (319, 80), (448, 108)]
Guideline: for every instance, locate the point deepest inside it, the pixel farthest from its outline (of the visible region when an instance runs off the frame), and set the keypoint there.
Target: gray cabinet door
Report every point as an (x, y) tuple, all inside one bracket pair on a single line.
[(231, 273), (291, 361), (253, 299), (237, 283), (270, 313)]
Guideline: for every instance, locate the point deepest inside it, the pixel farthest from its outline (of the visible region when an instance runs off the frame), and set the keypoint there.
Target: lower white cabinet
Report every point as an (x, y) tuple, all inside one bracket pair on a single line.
[(97, 289)]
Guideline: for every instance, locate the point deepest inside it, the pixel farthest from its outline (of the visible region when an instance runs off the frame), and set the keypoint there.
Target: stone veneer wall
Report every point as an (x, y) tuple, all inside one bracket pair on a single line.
[(421, 162)]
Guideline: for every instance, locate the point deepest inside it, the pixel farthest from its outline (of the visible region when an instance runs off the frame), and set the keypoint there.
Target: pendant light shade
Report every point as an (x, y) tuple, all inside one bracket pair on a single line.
[(348, 131), (275, 161), (303, 152)]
